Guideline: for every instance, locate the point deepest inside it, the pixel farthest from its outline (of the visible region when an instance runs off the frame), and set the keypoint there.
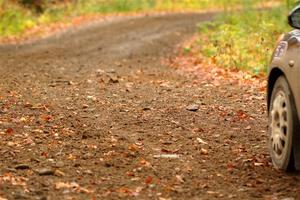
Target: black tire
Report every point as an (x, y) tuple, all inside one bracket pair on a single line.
[(283, 121)]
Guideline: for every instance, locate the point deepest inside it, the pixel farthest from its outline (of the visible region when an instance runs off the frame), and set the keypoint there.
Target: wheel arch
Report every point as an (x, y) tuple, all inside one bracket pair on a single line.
[(273, 76)]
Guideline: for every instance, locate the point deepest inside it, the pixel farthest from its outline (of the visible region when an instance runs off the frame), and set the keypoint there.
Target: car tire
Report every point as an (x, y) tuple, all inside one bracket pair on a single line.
[(283, 121)]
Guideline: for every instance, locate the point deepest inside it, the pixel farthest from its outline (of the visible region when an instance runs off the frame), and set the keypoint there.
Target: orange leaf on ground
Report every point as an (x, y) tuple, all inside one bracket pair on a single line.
[(9, 131), (149, 180)]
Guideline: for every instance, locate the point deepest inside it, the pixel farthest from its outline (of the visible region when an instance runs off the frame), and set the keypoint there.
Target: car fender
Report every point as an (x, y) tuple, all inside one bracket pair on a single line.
[(288, 65)]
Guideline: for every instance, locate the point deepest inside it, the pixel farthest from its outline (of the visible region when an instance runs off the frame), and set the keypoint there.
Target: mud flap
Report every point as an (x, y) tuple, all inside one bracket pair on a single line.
[(296, 149)]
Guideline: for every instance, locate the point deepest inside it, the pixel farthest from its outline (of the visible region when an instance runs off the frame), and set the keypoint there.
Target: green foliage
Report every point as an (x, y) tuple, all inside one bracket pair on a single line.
[(291, 3), (19, 15), (187, 49), (100, 6), (202, 4), (243, 40), (14, 20)]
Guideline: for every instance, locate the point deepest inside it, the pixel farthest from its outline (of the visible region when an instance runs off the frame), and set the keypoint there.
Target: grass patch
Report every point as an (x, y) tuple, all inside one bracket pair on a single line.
[(243, 40), (15, 19)]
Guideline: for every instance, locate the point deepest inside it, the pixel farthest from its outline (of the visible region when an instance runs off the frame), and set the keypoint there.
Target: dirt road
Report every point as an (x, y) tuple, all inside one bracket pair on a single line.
[(94, 114)]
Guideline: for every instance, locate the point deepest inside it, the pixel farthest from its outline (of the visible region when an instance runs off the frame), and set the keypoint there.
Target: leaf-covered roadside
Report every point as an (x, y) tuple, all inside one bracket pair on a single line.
[(242, 40), (191, 62)]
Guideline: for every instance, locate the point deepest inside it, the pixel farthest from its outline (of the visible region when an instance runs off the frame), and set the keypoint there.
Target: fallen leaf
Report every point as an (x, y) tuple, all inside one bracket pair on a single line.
[(201, 141), (133, 148), (242, 115), (179, 178), (63, 185), (9, 131), (230, 166), (149, 180), (137, 191), (204, 151), (145, 163), (23, 119), (125, 191), (59, 173), (131, 174), (46, 118), (10, 144)]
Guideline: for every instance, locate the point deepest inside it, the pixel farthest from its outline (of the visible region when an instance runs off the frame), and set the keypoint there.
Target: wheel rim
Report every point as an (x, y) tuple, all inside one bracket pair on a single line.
[(279, 125)]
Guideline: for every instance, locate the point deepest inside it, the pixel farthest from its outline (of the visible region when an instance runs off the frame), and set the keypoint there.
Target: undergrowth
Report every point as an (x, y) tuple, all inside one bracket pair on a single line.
[(15, 18), (243, 40)]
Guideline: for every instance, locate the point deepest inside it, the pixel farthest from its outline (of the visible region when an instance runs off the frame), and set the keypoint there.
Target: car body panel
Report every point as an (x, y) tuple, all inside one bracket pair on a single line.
[(289, 64), (286, 62)]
